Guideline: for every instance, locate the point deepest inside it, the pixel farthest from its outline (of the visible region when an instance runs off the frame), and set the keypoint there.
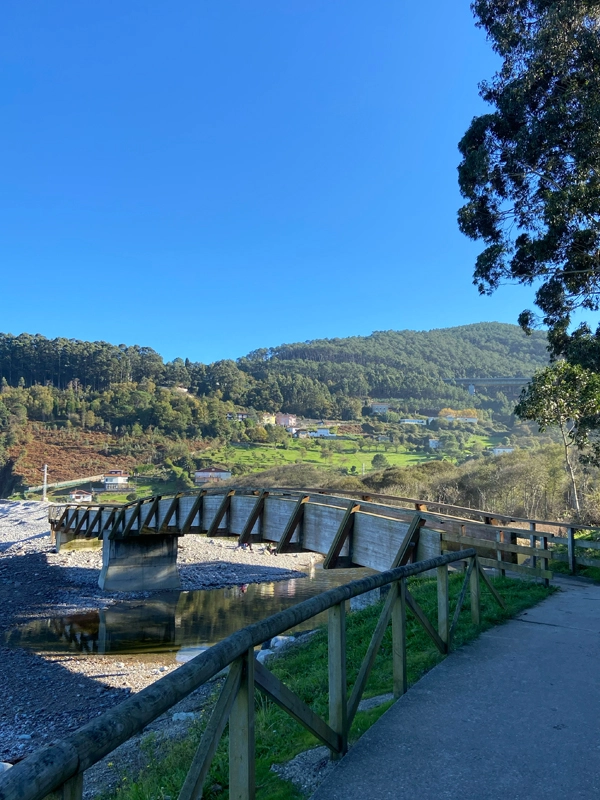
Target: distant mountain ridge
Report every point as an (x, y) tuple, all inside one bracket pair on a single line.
[(485, 349), (330, 378)]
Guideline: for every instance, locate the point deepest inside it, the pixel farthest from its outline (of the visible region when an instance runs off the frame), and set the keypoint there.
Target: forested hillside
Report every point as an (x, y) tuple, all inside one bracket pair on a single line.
[(327, 377), (146, 408)]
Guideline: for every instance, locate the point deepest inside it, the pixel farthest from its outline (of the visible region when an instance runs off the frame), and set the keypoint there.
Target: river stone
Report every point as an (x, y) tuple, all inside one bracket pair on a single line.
[(279, 641), (365, 600), (184, 716), (262, 655)]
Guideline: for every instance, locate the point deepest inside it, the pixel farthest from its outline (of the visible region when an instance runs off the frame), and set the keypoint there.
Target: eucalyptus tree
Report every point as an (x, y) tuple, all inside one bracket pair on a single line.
[(530, 169), (567, 397)]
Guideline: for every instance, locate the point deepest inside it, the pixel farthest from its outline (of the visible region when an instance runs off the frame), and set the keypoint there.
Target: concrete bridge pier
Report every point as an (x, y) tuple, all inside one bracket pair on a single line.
[(139, 564)]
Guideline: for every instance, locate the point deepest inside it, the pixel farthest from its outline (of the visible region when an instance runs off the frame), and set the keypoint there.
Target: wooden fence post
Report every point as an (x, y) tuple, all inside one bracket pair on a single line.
[(544, 561), (399, 639), (241, 736), (502, 572), (475, 593), (443, 604), (532, 540), (338, 709), (571, 550)]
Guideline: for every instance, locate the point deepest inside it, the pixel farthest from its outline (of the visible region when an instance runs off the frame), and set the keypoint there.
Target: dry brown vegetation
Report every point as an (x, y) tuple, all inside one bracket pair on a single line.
[(70, 454)]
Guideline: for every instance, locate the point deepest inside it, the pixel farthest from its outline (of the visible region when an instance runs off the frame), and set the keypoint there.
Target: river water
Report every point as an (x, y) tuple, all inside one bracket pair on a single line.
[(181, 623)]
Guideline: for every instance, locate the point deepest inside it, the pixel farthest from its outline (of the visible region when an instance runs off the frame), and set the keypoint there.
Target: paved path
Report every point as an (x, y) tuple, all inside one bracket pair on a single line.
[(515, 715)]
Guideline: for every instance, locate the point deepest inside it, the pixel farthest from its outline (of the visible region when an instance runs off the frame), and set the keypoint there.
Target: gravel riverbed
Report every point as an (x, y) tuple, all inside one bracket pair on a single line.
[(47, 696)]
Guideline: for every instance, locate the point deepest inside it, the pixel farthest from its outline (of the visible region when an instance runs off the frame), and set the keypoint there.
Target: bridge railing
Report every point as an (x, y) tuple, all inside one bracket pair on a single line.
[(60, 767), (529, 546)]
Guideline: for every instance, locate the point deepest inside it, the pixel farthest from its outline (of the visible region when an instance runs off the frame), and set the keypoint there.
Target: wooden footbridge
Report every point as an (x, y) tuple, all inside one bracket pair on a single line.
[(355, 528), (140, 538)]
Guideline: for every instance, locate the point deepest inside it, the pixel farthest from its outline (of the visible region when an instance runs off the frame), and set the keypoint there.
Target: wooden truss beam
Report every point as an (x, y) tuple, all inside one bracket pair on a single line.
[(256, 512), (346, 526), (293, 522), (221, 511)]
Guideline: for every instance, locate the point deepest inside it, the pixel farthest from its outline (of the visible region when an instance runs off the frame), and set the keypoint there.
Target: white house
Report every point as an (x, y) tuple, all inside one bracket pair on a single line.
[(321, 433), (80, 496), (287, 420), (499, 451), (466, 419), (115, 480), (301, 433), (413, 421), (380, 408), (211, 475)]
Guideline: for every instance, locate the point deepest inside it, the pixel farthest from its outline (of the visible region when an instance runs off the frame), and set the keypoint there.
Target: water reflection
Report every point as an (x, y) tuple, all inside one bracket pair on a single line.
[(175, 621)]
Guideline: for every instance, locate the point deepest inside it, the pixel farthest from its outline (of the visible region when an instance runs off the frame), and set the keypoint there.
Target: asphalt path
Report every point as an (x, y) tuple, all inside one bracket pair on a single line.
[(515, 715)]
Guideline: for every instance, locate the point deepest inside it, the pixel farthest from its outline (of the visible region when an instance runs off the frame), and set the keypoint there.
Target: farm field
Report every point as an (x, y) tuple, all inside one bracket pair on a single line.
[(343, 454)]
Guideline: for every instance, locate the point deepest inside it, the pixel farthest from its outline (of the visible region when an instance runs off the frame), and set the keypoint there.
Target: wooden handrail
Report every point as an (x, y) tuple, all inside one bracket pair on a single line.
[(341, 494), (62, 764)]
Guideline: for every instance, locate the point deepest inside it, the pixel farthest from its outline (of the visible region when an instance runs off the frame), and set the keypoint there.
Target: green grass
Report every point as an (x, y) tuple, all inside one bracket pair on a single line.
[(255, 457), (304, 669)]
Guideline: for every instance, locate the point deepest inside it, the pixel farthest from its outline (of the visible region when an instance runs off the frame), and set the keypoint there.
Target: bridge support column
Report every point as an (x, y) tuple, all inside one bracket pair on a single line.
[(139, 564)]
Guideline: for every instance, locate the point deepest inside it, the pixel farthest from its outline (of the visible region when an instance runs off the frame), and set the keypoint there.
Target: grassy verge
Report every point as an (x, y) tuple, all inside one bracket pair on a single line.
[(304, 669)]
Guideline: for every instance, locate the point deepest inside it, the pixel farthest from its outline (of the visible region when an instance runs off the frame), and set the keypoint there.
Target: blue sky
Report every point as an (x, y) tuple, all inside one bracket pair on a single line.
[(208, 178)]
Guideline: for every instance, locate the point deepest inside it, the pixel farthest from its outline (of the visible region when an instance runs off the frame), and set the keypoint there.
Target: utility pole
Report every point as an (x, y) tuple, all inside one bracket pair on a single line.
[(45, 492), (363, 463)]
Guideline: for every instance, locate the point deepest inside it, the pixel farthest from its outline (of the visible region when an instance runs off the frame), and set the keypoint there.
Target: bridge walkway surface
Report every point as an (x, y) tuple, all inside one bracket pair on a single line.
[(513, 715)]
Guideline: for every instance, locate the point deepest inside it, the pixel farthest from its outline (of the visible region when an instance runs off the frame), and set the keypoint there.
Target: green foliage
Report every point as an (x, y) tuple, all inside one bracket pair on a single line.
[(379, 461), (130, 393), (530, 168), (304, 669)]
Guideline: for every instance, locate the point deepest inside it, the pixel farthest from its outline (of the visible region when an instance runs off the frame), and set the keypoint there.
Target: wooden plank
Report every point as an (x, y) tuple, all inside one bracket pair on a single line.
[(256, 512), (71, 519), (571, 550), (443, 599), (108, 522), (114, 533), (340, 537), (489, 585), (97, 518), (371, 654), (170, 511), (153, 512), (221, 511), (469, 541), (399, 640), (296, 708), (320, 524), (420, 615), (294, 521), (136, 515), (84, 517), (376, 540), (337, 676), (192, 786), (72, 789), (65, 512), (460, 601), (186, 527), (580, 560), (241, 735), (409, 545), (504, 565), (544, 561), (475, 594), (533, 543)]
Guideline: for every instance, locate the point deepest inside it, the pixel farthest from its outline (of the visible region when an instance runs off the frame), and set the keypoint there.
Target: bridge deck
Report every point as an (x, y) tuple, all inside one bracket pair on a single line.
[(513, 715)]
